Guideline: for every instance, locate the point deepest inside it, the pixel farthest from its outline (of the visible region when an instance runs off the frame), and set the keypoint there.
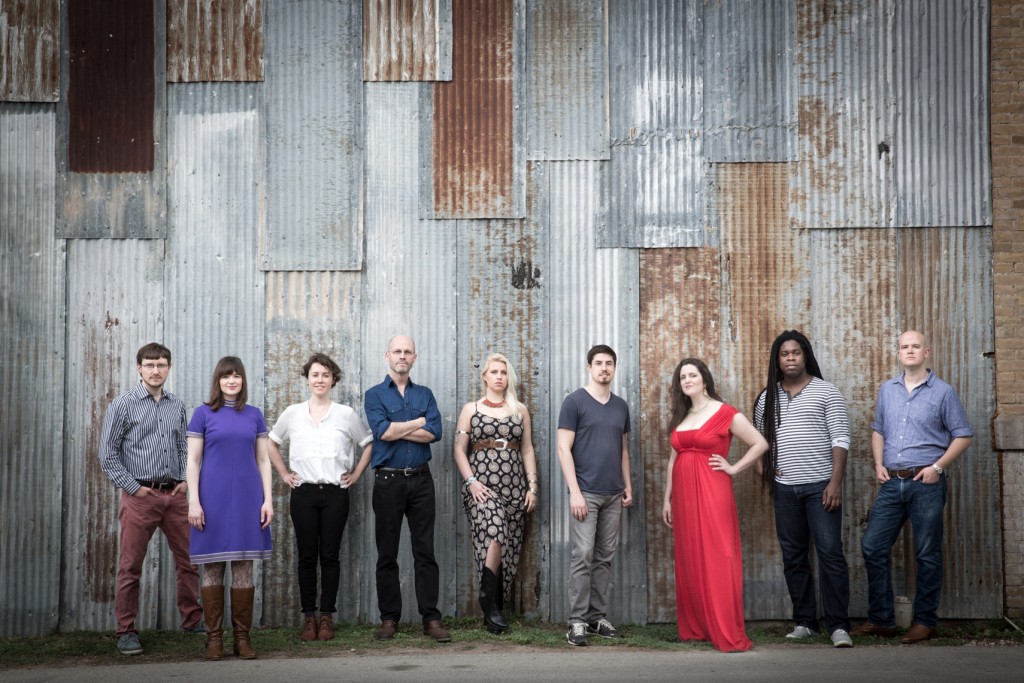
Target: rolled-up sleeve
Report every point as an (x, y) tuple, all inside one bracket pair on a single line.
[(433, 416), (955, 417), (376, 414), (836, 420)]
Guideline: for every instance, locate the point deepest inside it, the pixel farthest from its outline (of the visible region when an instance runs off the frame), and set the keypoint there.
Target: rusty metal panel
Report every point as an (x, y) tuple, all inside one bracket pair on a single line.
[(845, 113), (409, 287), (407, 40), (473, 158), (592, 300), (679, 318), (502, 308), (750, 89), (111, 157), (309, 312), (568, 80), (29, 51), (115, 305), (941, 78), (945, 291), (314, 98), (658, 182), (765, 289), (215, 40), (32, 372)]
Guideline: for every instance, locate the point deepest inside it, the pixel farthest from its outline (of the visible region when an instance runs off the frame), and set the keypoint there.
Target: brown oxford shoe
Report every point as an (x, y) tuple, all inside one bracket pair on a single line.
[(436, 630), (325, 631), (869, 629), (918, 633), (386, 630)]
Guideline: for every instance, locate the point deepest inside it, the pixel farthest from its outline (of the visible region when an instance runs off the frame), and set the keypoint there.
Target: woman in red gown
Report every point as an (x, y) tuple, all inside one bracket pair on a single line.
[(700, 508)]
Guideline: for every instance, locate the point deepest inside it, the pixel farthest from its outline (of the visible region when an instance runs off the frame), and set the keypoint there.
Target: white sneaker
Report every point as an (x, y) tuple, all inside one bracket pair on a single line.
[(801, 632), (840, 638)]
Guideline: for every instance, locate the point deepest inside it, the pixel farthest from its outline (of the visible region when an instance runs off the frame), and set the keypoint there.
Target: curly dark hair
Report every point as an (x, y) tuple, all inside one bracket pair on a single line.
[(680, 402), (326, 361)]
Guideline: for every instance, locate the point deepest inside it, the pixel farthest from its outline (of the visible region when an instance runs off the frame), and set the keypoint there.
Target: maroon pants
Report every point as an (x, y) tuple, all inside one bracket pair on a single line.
[(140, 516)]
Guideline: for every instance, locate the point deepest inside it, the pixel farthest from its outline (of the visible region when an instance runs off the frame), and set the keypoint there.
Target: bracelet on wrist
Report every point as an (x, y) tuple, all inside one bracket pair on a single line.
[(534, 492), (471, 479)]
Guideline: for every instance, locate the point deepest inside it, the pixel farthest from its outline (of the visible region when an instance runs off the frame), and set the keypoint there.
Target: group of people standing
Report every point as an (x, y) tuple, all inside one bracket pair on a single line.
[(208, 487)]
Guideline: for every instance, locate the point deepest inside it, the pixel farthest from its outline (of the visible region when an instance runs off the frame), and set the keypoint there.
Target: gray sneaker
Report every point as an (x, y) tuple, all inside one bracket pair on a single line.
[(801, 632), (840, 638), (603, 628), (129, 644), (577, 634)]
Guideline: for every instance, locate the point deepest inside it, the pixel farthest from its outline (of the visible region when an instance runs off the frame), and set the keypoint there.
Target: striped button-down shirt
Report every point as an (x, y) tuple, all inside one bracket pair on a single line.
[(143, 439)]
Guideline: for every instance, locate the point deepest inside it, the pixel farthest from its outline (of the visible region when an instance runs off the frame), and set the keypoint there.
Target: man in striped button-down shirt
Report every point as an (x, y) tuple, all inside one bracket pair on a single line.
[(143, 451)]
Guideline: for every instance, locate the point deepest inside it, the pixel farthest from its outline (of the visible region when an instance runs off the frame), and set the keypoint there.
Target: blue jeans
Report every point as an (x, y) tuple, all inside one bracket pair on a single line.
[(799, 519), (898, 500)]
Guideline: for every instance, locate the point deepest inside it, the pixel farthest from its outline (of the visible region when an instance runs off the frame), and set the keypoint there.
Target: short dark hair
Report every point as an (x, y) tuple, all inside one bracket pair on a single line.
[(601, 348), (153, 351), (326, 361), (228, 365)]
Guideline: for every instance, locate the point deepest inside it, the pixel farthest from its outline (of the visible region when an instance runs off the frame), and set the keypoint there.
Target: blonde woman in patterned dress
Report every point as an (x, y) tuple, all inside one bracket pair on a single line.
[(494, 454)]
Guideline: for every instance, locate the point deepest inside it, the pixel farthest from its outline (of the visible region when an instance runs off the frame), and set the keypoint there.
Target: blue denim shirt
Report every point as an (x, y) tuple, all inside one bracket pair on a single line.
[(384, 404), (918, 427)]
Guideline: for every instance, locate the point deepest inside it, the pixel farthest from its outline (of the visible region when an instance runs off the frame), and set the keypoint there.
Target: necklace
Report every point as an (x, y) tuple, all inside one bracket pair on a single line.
[(489, 404), (694, 411)]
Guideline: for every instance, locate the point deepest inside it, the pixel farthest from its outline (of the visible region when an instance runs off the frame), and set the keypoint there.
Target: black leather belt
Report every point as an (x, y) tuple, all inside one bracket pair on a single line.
[(158, 485), (407, 471)]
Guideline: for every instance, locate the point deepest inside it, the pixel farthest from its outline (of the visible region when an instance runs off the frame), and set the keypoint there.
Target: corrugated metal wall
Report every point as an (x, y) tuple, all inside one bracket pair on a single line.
[(639, 174)]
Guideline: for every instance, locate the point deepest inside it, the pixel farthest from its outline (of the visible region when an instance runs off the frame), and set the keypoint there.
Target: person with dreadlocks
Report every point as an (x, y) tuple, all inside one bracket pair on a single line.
[(803, 419)]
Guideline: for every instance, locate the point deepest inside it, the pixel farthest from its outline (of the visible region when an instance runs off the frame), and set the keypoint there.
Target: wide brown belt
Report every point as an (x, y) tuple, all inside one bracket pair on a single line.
[(908, 473), (496, 444)]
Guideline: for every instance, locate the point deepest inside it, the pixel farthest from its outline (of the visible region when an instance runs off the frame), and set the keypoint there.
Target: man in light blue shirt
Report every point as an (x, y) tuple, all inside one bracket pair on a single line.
[(920, 429)]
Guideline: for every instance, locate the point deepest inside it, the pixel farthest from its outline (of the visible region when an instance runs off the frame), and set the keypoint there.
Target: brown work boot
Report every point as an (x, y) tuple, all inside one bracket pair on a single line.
[(241, 620), (326, 628), (213, 615), (386, 630), (919, 633), (436, 630), (308, 628)]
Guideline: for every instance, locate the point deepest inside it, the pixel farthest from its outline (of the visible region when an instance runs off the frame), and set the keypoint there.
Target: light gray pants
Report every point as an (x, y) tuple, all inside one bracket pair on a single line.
[(593, 547)]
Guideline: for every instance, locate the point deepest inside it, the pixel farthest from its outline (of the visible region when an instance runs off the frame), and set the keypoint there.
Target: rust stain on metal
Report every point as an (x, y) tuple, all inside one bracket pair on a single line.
[(814, 17), (214, 41), (111, 87), (30, 45), (473, 114), (400, 40)]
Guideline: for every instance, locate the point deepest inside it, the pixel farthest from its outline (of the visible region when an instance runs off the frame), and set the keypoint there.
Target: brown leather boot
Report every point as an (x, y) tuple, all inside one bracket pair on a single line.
[(241, 620), (326, 628), (213, 615), (308, 628)]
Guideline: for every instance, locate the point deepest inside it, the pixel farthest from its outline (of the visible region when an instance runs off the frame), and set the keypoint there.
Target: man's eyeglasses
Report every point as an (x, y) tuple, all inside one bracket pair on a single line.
[(155, 366)]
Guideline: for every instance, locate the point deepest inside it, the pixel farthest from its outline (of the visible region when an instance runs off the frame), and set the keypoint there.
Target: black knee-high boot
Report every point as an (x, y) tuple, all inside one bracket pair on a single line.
[(499, 596), (493, 621)]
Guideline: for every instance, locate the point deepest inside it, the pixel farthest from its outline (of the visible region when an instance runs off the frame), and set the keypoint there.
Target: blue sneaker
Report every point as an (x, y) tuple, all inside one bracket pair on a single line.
[(129, 644)]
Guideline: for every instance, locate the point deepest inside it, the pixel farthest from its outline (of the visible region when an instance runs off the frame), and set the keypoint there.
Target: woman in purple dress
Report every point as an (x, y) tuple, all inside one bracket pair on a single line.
[(230, 506)]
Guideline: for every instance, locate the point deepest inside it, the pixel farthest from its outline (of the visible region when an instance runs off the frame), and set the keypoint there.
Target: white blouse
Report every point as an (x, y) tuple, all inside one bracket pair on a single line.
[(320, 454)]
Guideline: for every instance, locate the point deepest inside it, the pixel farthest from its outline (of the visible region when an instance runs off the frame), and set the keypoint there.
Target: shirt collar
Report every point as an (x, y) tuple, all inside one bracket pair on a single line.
[(900, 378), (141, 393), (390, 381)]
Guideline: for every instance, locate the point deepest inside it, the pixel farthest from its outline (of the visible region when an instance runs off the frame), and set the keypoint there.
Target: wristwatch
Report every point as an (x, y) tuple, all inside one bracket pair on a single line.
[(937, 468)]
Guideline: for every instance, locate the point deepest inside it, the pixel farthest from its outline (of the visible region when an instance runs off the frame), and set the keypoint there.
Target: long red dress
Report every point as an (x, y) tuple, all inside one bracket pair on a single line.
[(709, 563)]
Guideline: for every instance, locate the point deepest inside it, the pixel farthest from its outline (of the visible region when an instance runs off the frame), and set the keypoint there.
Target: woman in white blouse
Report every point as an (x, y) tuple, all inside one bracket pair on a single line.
[(324, 439)]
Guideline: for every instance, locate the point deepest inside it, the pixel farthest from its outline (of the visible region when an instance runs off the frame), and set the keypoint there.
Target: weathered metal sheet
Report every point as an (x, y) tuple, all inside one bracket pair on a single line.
[(658, 185), (941, 79), (409, 287), (765, 289), (31, 368), (750, 91), (407, 40), (568, 80), (951, 302), (29, 51), (115, 305), (474, 155), (218, 40), (501, 278), (679, 318), (310, 312), (314, 98), (592, 300), (111, 156), (845, 115)]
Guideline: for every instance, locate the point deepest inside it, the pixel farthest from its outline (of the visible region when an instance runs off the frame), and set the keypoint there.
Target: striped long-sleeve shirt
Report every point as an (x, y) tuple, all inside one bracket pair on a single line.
[(143, 439), (813, 422)]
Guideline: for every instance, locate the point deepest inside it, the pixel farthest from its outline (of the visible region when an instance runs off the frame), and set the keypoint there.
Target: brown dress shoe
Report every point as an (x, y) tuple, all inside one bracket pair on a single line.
[(436, 630), (326, 628), (869, 629), (386, 630), (309, 628), (918, 633)]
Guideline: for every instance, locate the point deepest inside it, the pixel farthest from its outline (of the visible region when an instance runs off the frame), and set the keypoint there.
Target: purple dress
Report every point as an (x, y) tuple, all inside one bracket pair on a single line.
[(230, 487)]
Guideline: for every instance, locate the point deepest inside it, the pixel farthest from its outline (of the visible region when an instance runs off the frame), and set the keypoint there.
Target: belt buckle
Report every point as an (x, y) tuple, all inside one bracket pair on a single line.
[(905, 469), (408, 471), (503, 442)]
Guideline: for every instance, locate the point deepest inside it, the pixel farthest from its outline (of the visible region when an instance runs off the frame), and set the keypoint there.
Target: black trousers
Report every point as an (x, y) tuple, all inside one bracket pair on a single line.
[(319, 514), (396, 496)]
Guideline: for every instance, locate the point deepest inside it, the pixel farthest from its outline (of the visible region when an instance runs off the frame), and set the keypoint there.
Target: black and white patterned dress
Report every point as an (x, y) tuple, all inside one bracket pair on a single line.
[(499, 518)]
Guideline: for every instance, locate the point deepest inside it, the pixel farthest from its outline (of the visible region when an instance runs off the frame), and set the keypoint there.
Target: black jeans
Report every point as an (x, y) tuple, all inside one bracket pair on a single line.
[(319, 514), (396, 496)]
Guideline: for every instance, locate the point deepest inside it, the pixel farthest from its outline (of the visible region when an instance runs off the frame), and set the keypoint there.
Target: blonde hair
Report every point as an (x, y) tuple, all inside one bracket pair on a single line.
[(514, 406)]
